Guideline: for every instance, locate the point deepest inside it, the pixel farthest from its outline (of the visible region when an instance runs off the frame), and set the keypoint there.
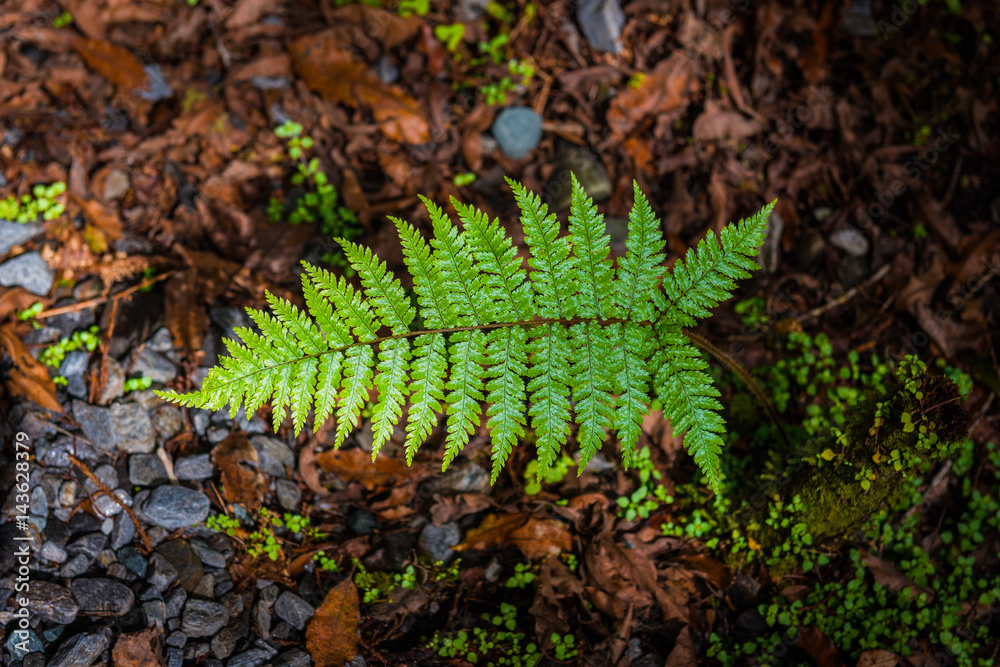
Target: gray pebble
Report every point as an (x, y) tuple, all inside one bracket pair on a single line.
[(177, 639), (194, 467), (273, 455), (224, 643), (29, 271), (133, 429), (602, 22), (294, 658), (437, 541), (81, 649), (146, 470), (155, 613), (175, 602), (290, 607), (203, 618), (517, 130), (288, 493), (102, 597), (148, 363), (122, 532), (53, 603), (16, 233), (255, 657), (162, 572), (132, 559), (173, 507), (851, 241), (209, 557), (75, 566), (20, 645), (53, 553), (115, 385)]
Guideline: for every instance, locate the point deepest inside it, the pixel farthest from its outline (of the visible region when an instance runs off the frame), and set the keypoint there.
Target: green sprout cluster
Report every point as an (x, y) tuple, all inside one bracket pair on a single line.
[(40, 203), (138, 384), (319, 204), (496, 644), (54, 354), (325, 563), (223, 523), (62, 20), (649, 495), (553, 474), (522, 576), (264, 540)]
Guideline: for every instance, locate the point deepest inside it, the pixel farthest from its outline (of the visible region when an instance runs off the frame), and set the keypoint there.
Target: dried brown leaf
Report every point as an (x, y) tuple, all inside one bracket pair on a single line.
[(138, 649), (242, 481), (355, 465), (878, 658), (184, 315), (332, 635), (664, 90), (112, 62), (535, 538), (27, 377)]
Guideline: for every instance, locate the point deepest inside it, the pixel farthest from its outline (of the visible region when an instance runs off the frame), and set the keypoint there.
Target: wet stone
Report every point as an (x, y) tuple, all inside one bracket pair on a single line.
[(133, 429), (437, 541), (102, 597), (189, 569), (132, 559), (517, 131), (81, 649), (602, 22), (293, 609), (294, 658), (194, 467), (75, 566), (15, 233), (114, 387), (203, 618), (146, 470), (362, 522), (53, 553), (208, 556), (273, 455), (255, 657), (29, 271), (19, 645), (167, 421), (224, 643), (53, 603), (175, 602), (96, 424), (122, 532), (148, 363), (162, 572), (177, 639), (288, 493), (173, 507)]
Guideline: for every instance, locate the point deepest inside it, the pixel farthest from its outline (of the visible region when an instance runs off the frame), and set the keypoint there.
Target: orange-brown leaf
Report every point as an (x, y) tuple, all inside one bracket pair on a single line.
[(27, 377), (138, 649), (112, 62), (332, 635), (355, 465), (666, 89), (242, 481), (535, 538), (333, 73)]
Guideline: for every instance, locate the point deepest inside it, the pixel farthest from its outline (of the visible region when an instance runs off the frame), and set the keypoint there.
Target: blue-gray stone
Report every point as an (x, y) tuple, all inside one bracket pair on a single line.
[(273, 455), (173, 507), (156, 87), (102, 597), (15, 233), (294, 658), (53, 603), (28, 271), (146, 470), (203, 618), (196, 467), (133, 429), (437, 541), (602, 22), (148, 363), (81, 649), (74, 364), (22, 642), (209, 557), (255, 657), (131, 558), (290, 607), (97, 425), (517, 131)]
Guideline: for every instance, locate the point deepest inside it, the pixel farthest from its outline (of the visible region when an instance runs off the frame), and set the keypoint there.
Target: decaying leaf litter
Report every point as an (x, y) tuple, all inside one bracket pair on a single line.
[(873, 129)]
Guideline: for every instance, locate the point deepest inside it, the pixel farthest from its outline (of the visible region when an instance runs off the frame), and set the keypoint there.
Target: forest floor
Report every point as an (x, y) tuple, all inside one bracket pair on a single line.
[(162, 147)]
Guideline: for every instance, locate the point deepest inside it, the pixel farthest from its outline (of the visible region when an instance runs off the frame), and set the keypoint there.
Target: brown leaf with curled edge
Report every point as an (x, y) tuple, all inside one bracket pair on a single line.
[(242, 481), (664, 90), (138, 649), (717, 124), (332, 635), (112, 62), (814, 642), (331, 71), (103, 218), (535, 538), (683, 653), (622, 578), (184, 315), (356, 465), (27, 377), (878, 658)]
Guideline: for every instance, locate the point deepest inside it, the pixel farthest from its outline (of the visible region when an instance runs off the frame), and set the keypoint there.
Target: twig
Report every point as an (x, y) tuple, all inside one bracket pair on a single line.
[(108, 492), (73, 307), (846, 296)]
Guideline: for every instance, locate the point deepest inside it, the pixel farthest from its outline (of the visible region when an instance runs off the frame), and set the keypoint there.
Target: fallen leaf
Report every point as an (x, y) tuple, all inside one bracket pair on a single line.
[(331, 71), (356, 465), (103, 218), (716, 124), (247, 12), (683, 652), (242, 481), (892, 579), (535, 538), (184, 315), (112, 62), (138, 649), (814, 642), (666, 89), (878, 658), (27, 377), (332, 635)]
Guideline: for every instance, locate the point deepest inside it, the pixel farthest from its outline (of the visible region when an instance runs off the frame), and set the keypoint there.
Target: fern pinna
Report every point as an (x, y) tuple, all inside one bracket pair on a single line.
[(577, 339)]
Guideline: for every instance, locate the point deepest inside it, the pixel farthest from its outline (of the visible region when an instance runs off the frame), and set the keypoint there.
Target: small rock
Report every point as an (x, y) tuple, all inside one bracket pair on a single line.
[(290, 607), (53, 603), (288, 493), (96, 424), (851, 241), (462, 477), (437, 541), (146, 470), (175, 657), (175, 602), (20, 645), (148, 363), (362, 522), (203, 618), (173, 507), (132, 559), (808, 247), (102, 597), (81, 649), (133, 429), (15, 233), (270, 82), (262, 620), (89, 545), (189, 570), (209, 557), (205, 588), (224, 643), (602, 22), (116, 185), (162, 572), (156, 87), (115, 386), (155, 613), (233, 602), (122, 532), (74, 364), (167, 421), (385, 70), (294, 658), (255, 657), (53, 553), (161, 341), (586, 165), (273, 455), (194, 467), (517, 131), (29, 271)]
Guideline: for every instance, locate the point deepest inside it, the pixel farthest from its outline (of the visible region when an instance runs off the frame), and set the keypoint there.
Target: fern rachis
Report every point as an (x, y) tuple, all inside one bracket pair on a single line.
[(577, 339)]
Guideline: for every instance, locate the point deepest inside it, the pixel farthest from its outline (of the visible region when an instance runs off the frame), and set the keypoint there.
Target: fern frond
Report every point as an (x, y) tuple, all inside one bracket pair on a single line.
[(572, 340)]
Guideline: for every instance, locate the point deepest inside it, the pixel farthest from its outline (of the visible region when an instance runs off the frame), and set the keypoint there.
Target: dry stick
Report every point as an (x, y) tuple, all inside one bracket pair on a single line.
[(846, 296), (108, 492), (735, 367), (73, 307)]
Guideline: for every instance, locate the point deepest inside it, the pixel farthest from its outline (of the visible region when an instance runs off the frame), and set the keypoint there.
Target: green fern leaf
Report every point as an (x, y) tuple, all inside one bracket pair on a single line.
[(507, 361), (467, 355), (429, 365), (394, 357)]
